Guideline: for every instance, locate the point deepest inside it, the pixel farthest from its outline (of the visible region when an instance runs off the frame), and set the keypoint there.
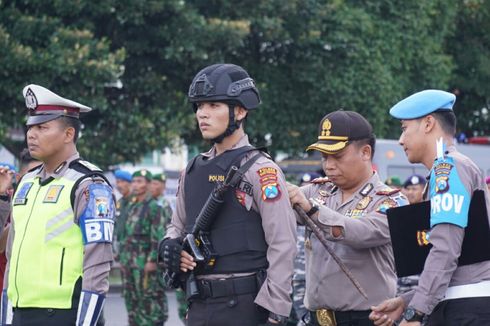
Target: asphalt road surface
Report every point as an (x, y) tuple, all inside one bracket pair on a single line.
[(116, 315)]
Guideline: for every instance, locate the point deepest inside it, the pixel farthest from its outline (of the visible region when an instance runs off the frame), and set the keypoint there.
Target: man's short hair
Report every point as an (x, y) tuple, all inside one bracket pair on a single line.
[(371, 141), (447, 120), (74, 123)]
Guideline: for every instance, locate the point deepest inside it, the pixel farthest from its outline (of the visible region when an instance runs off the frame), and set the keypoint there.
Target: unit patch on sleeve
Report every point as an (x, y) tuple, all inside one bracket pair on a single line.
[(53, 194), (269, 185), (385, 205), (97, 220), (21, 195)]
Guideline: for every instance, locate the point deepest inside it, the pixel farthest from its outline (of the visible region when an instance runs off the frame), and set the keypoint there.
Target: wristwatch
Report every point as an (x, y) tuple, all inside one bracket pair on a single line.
[(413, 315), (281, 320), (315, 207)]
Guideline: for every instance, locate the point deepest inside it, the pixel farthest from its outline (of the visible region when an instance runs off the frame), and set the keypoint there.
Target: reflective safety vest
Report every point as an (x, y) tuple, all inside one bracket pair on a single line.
[(47, 253)]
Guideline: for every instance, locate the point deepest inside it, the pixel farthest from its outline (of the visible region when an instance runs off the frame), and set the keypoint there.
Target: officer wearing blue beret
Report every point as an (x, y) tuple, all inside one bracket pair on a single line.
[(59, 248), (448, 293)]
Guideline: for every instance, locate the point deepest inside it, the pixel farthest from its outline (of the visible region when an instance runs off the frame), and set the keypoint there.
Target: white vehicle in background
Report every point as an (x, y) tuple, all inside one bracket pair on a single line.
[(390, 160)]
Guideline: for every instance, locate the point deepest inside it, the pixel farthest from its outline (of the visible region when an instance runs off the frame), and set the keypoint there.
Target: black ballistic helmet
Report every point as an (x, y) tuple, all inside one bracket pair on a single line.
[(224, 82)]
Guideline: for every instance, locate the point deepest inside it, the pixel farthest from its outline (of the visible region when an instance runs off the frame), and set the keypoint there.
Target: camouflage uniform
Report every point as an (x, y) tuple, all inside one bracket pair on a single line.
[(144, 293), (122, 207), (299, 275), (167, 216)]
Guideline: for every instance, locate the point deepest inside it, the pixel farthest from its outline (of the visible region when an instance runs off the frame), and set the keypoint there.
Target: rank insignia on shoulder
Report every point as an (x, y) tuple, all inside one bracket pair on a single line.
[(385, 205), (90, 166), (21, 195), (320, 180), (387, 191)]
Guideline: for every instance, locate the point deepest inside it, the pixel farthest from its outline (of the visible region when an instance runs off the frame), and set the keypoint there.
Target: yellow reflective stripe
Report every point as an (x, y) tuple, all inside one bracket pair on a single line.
[(51, 222), (56, 232)]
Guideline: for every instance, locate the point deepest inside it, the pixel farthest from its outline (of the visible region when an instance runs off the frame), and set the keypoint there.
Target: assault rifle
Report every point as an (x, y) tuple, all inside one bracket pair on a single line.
[(197, 242)]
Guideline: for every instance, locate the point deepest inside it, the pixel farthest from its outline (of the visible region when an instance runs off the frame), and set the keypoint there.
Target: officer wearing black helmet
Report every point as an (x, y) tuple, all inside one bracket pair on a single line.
[(254, 232)]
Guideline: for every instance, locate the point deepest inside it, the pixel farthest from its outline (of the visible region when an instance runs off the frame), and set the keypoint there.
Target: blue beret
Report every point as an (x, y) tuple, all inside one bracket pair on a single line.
[(423, 103), (123, 175), (10, 166)]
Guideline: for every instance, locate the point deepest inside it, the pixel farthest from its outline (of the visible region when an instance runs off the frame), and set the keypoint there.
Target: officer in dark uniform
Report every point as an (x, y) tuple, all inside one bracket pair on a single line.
[(451, 294), (59, 249), (254, 232)]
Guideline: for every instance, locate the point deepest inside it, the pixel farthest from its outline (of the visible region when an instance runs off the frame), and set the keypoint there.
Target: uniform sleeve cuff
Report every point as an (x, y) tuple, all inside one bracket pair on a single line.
[(422, 303), (329, 217)]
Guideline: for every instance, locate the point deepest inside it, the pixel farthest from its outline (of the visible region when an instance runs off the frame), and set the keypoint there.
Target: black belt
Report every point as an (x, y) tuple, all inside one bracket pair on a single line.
[(227, 287), (343, 316)]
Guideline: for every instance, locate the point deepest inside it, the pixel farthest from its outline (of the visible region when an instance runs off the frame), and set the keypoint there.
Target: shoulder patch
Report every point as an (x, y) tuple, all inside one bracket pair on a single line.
[(387, 191), (269, 185), (385, 205)]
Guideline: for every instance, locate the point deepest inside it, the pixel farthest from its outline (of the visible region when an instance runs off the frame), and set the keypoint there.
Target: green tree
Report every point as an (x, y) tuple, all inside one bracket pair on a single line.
[(470, 47), (37, 46)]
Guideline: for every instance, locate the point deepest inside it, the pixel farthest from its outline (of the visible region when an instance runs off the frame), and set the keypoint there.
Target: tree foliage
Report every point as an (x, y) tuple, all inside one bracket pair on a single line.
[(133, 61)]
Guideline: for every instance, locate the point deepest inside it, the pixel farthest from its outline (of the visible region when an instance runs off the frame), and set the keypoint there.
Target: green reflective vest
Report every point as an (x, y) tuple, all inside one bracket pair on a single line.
[(47, 252)]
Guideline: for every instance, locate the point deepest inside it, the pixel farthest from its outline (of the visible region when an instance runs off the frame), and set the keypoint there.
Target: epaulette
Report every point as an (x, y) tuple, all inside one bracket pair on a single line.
[(321, 180), (90, 166), (387, 191)]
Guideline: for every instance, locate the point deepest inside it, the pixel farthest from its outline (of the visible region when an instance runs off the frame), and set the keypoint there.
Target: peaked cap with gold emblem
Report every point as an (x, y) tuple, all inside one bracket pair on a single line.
[(338, 128), (45, 105)]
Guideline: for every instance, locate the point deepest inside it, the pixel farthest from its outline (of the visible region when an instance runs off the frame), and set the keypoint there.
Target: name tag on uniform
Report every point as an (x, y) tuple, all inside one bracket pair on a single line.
[(21, 196)]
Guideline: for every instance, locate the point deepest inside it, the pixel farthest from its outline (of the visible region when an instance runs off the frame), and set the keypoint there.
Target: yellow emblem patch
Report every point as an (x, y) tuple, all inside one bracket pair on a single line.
[(53, 194), (326, 126)]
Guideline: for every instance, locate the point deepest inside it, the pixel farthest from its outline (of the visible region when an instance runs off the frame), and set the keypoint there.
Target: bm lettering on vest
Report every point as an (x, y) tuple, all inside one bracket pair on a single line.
[(216, 178), (447, 202)]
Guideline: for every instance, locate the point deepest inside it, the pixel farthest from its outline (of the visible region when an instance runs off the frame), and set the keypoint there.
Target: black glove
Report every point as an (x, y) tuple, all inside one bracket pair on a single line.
[(169, 251)]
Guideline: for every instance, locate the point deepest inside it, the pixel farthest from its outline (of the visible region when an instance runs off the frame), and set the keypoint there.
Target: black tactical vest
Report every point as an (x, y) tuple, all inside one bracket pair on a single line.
[(236, 234)]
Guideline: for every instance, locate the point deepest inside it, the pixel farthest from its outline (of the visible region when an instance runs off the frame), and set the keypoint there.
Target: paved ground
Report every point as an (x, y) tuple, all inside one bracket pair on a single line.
[(116, 315)]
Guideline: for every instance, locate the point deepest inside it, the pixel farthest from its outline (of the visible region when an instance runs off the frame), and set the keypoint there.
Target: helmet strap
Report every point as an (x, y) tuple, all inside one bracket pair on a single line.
[(232, 125)]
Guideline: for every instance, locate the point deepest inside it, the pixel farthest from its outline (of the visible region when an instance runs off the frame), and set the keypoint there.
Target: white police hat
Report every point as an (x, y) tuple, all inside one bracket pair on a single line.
[(45, 105), (423, 103)]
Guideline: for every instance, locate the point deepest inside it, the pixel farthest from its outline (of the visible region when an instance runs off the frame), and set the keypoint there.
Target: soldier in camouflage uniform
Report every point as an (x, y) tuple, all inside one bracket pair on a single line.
[(123, 185), (143, 288), (157, 189)]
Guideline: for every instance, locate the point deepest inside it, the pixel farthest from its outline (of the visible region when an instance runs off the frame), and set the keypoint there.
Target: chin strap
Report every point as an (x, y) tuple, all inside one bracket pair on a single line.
[(6, 312), (89, 308), (232, 125)]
